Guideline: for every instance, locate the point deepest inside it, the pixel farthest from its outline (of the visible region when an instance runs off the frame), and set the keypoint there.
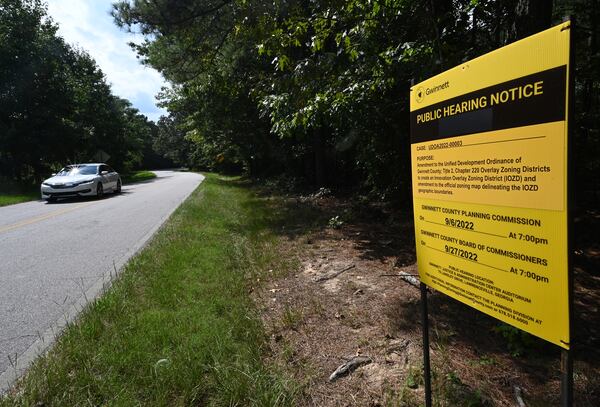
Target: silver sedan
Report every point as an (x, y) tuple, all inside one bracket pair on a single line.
[(81, 180)]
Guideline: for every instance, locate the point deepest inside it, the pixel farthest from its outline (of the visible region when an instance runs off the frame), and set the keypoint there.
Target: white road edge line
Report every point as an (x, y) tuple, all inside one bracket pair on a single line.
[(42, 344)]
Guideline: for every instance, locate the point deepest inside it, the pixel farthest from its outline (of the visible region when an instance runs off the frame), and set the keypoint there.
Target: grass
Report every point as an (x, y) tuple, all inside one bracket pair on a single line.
[(178, 327), (291, 318), (13, 193), (137, 176)]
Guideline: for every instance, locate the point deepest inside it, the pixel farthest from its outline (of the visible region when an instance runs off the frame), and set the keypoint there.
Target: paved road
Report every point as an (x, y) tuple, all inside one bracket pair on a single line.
[(53, 257)]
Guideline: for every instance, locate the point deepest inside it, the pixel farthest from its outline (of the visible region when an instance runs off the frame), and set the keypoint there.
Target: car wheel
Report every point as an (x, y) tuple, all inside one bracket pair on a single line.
[(118, 190), (51, 200), (99, 191)]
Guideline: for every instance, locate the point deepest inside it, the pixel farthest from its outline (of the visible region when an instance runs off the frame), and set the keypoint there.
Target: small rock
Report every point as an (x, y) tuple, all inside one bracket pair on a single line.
[(349, 366), (394, 359), (398, 345)]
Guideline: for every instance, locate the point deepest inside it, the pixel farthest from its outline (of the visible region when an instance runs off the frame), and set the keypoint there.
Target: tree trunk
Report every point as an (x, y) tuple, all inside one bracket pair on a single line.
[(438, 11), (319, 148), (531, 16), (586, 102)]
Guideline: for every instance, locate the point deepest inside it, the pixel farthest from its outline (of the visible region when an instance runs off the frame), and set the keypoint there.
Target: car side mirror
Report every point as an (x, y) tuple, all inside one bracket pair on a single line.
[(104, 173)]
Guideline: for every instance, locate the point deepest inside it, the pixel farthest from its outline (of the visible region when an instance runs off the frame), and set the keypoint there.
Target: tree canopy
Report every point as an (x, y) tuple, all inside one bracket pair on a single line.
[(56, 106), (319, 89)]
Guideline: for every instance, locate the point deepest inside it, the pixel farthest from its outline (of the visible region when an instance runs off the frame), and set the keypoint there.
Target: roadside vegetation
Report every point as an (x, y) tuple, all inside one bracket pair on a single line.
[(137, 176), (57, 106), (13, 193), (316, 91), (319, 90), (254, 296), (177, 327)]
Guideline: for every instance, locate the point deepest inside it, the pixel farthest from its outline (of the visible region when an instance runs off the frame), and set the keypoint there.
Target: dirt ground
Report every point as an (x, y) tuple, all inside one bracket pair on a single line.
[(318, 319)]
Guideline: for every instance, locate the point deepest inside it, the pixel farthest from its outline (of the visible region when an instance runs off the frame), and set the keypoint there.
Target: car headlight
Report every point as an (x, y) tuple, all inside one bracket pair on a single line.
[(83, 183)]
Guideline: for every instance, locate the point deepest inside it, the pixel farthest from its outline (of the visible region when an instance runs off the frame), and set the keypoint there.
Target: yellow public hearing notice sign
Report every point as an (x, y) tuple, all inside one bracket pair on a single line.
[(489, 179)]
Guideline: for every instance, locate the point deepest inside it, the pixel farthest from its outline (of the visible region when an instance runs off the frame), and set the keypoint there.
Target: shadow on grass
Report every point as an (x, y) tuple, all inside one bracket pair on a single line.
[(382, 232), (379, 232), (132, 179)]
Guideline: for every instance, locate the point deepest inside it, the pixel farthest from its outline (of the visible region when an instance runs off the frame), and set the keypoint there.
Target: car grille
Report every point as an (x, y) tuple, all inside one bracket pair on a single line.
[(74, 193)]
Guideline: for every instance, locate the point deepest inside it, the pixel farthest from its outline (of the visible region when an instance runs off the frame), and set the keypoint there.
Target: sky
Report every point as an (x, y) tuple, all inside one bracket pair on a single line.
[(87, 24)]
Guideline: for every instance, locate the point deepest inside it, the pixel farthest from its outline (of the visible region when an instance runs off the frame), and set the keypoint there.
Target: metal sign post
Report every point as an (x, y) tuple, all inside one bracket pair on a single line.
[(566, 372), (566, 355), (425, 328)]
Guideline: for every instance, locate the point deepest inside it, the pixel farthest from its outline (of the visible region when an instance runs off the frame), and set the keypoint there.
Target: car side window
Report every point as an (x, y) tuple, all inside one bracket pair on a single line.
[(103, 168), (109, 169)]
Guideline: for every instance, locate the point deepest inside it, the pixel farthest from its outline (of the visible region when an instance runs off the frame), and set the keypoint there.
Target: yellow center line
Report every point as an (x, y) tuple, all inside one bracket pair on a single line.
[(44, 217)]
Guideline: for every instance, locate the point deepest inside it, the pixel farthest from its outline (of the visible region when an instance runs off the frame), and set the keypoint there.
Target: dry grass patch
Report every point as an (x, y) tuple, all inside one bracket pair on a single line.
[(317, 319)]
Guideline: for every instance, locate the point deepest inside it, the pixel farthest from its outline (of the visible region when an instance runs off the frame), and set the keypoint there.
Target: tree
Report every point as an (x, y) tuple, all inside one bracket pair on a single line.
[(329, 80), (55, 105)]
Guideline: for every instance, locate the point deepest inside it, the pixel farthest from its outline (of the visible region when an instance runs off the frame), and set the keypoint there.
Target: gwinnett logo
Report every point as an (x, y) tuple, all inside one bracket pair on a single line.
[(421, 92)]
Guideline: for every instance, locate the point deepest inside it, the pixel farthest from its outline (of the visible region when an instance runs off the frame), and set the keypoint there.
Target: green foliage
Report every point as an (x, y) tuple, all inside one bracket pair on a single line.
[(459, 394), (137, 176), (55, 104), (171, 142), (291, 317), (414, 379), (336, 222), (12, 192), (486, 361), (319, 90), (517, 341), (315, 90)]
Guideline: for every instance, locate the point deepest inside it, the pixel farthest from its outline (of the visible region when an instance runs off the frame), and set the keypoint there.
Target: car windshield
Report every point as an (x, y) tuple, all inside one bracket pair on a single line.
[(78, 170)]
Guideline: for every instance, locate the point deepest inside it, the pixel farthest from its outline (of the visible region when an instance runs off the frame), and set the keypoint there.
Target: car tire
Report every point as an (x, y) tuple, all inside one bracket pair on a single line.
[(51, 200), (99, 191), (118, 189)]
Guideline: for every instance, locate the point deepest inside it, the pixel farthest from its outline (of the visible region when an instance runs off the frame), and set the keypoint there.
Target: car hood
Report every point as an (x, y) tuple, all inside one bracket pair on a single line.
[(69, 179)]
